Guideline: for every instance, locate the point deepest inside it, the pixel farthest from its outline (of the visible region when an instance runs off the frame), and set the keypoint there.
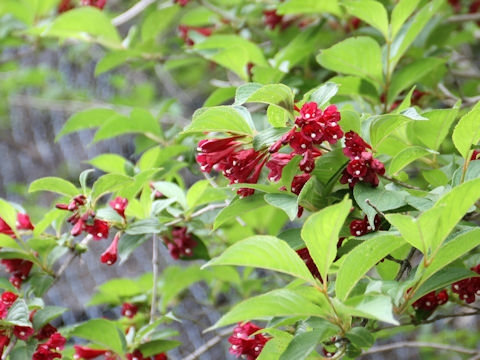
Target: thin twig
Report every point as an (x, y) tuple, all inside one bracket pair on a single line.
[(198, 213), (405, 264), (209, 344), (463, 18), (153, 309), (132, 12), (374, 207), (449, 95), (221, 12), (9, 348), (401, 183), (419, 344), (391, 258), (74, 253)]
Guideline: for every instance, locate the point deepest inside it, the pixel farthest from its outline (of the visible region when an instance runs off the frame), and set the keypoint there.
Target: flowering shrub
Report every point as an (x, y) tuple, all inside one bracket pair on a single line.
[(337, 148)]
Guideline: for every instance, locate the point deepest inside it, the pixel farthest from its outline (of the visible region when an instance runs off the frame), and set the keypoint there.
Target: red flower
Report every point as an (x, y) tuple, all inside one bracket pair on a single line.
[(299, 182), (110, 255), (161, 356), (468, 288), (99, 229), (56, 342), (19, 268), (272, 19), (83, 352), (363, 168), (44, 353), (181, 243), (213, 151), (119, 205), (475, 155), (64, 6), (100, 4), (362, 227), (9, 298), (431, 301), (23, 332), (245, 345), (182, 3), (354, 145), (6, 229), (129, 310), (305, 256), (3, 310), (46, 332), (136, 355), (4, 341), (23, 222), (276, 164), (184, 29)]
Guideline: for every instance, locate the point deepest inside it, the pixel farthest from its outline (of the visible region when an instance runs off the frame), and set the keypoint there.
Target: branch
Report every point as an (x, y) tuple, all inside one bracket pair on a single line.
[(221, 12), (209, 344), (375, 208), (448, 94), (401, 183), (198, 213), (73, 255), (9, 348), (419, 344), (463, 18), (132, 12), (405, 264), (153, 309)]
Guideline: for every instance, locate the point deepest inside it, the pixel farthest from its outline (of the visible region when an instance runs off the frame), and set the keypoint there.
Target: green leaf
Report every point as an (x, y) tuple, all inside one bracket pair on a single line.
[(45, 315), (221, 119), (219, 96), (85, 23), (7, 242), (359, 56), (285, 202), (372, 12), (111, 163), (157, 21), (401, 12), (407, 156), (267, 137), (281, 302), (18, 314), (172, 191), (324, 93), (158, 346), (360, 337), (410, 74), (309, 7), (467, 131), (278, 95), (451, 251), (303, 344), (380, 197), (113, 59), (410, 230), (103, 332), (277, 117), (361, 259), (411, 30), (85, 120), (140, 121), (238, 208), (320, 233), (265, 252), (376, 306), (433, 132), (54, 184), (109, 183), (121, 287), (329, 164)]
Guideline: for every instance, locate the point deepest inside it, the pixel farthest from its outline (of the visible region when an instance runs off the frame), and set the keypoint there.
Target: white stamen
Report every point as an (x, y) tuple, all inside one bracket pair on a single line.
[(234, 162), (188, 251), (369, 228), (117, 206), (358, 232), (17, 224), (360, 178), (334, 136), (307, 169), (257, 348), (357, 158), (313, 135), (303, 146), (135, 358), (203, 167), (234, 347), (307, 116), (333, 124), (199, 149), (128, 313), (22, 333), (357, 172), (456, 287), (100, 235), (109, 262), (293, 189), (228, 171), (428, 303), (235, 181), (349, 180)]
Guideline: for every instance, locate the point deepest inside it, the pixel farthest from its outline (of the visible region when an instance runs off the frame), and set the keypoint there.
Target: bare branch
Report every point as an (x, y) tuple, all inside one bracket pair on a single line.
[(374, 208), (209, 344), (401, 183), (132, 12), (419, 344), (9, 348), (463, 18), (405, 264), (153, 308)]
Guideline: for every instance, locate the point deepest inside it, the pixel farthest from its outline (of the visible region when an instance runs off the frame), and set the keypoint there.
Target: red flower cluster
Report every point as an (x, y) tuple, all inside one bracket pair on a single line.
[(19, 268), (431, 301), (8, 298), (237, 164), (468, 288), (84, 222), (109, 257), (47, 351), (181, 243), (100, 4), (129, 310), (362, 165), (184, 29), (83, 352), (362, 227), (243, 344), (475, 155)]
